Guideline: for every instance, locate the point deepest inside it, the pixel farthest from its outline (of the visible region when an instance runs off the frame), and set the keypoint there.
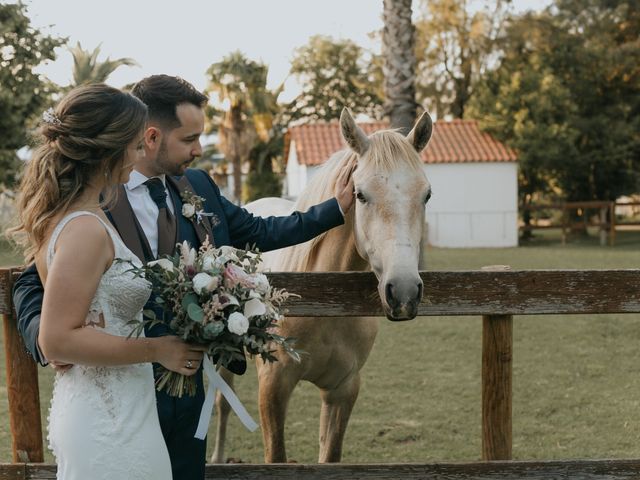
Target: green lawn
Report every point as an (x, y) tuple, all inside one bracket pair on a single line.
[(576, 388)]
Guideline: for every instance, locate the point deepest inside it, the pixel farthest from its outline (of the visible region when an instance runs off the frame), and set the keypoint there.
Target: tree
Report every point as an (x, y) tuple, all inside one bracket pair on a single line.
[(24, 94), (597, 53), (455, 46), (398, 51), (87, 69), (242, 83), (334, 74), (525, 105), (576, 117)]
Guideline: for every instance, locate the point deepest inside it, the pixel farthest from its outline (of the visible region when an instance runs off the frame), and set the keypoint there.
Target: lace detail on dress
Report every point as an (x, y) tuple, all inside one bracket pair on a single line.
[(103, 421)]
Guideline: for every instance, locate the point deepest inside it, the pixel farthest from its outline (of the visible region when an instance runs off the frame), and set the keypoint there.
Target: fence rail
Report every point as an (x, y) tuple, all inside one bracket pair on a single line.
[(533, 470), (607, 222), (493, 293)]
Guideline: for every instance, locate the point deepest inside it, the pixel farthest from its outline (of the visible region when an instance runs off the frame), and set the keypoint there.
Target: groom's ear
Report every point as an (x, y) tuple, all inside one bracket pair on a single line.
[(152, 137)]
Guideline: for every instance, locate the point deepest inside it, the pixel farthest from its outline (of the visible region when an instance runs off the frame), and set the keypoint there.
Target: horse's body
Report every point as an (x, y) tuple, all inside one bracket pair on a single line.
[(382, 233)]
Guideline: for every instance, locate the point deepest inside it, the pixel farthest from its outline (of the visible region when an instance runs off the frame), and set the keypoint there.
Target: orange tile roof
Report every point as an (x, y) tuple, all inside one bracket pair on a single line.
[(457, 141)]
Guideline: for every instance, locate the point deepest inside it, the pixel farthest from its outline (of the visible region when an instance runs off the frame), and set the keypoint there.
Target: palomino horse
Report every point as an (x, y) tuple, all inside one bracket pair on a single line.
[(382, 233)]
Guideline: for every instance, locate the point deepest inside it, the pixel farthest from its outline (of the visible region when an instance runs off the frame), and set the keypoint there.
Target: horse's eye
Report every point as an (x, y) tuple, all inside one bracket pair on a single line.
[(360, 197), (427, 198)]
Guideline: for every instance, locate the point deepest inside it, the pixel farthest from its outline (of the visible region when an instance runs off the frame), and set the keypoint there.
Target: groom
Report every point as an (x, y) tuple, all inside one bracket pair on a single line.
[(148, 214)]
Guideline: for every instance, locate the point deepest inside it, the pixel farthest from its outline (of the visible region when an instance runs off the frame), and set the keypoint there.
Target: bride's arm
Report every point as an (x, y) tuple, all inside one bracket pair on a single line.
[(84, 251)]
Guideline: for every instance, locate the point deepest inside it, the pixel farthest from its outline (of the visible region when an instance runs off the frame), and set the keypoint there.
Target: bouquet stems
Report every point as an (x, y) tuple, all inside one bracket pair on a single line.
[(175, 384)]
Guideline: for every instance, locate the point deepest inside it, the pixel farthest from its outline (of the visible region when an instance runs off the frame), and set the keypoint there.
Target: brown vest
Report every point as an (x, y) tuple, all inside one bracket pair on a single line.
[(127, 225)]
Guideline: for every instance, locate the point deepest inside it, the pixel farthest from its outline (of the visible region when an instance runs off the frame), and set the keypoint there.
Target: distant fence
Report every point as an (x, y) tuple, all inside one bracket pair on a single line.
[(605, 216), (492, 293)]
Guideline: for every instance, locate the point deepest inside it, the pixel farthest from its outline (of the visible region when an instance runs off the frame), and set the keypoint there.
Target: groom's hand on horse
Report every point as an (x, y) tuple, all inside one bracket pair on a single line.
[(344, 186)]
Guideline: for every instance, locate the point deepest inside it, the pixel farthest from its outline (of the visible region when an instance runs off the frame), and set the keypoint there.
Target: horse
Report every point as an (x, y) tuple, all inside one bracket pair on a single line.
[(382, 232)]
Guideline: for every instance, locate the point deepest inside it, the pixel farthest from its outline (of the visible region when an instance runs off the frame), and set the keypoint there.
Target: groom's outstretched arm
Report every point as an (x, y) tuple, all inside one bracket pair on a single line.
[(28, 293)]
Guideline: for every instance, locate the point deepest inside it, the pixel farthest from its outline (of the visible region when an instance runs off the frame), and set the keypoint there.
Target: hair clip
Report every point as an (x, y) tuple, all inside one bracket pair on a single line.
[(50, 117)]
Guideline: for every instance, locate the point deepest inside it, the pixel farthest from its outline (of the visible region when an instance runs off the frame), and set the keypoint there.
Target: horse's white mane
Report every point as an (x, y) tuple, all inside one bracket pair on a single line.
[(388, 151)]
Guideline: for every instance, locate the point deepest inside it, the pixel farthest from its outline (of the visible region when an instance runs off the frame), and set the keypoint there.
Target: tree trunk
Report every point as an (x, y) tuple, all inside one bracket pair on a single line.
[(237, 126), (398, 50), (527, 233)]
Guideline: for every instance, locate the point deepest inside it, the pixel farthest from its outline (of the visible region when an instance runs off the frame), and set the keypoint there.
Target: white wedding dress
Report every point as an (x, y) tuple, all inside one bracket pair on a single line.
[(103, 421)]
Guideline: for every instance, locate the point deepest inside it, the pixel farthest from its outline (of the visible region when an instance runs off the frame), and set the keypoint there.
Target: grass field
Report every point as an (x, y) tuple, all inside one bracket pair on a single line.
[(576, 387)]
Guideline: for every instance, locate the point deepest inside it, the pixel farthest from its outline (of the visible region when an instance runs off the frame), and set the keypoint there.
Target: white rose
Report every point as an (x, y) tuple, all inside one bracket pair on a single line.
[(164, 263), (204, 282), (209, 263), (261, 282), (188, 210), (238, 323)]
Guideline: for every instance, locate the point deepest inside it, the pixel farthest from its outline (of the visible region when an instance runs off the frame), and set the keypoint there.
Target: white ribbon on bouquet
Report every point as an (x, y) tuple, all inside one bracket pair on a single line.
[(216, 382)]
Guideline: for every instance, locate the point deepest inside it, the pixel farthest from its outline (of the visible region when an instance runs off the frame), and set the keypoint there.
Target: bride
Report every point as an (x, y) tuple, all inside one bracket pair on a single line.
[(103, 422)]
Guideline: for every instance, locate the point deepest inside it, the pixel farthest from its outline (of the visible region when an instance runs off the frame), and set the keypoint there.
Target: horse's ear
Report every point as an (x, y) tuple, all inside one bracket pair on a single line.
[(421, 133), (352, 133)]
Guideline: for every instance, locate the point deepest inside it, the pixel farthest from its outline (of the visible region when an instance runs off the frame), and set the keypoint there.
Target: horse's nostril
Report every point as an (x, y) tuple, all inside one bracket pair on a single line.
[(420, 287), (389, 293)]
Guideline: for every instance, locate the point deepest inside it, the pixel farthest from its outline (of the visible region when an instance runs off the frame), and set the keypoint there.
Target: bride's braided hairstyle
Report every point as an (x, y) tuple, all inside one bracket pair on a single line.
[(83, 139)]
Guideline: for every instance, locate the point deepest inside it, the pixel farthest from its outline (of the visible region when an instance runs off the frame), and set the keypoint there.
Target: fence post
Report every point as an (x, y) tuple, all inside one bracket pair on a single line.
[(612, 223), (604, 226), (22, 388), (497, 353)]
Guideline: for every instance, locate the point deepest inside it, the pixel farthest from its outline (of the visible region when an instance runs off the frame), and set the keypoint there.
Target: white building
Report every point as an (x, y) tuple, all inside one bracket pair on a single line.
[(474, 180)]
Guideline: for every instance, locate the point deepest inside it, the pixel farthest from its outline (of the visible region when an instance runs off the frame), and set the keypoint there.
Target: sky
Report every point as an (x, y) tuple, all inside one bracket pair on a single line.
[(184, 37)]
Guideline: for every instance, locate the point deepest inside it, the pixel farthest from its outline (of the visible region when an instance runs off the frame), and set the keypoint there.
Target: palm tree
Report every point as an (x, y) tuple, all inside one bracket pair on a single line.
[(87, 69), (241, 83), (398, 43)]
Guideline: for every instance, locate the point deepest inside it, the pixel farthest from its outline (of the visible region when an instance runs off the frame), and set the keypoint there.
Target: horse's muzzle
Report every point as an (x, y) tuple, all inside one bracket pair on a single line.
[(401, 301)]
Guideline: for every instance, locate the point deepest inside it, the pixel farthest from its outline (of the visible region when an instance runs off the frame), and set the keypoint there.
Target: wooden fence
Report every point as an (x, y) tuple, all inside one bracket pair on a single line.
[(604, 213), (495, 294)]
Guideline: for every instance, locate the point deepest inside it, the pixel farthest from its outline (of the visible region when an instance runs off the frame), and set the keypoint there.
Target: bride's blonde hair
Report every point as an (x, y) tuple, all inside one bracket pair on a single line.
[(86, 135)]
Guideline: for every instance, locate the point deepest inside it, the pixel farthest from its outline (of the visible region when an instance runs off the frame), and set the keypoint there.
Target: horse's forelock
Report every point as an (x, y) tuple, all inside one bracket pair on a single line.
[(390, 150)]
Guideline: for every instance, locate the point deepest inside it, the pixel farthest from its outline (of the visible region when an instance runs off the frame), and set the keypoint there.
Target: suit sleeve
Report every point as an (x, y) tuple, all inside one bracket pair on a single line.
[(28, 293), (272, 233)]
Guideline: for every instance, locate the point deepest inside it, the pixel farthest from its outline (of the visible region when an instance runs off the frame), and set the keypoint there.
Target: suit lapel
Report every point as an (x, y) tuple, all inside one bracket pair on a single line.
[(126, 223), (202, 228)]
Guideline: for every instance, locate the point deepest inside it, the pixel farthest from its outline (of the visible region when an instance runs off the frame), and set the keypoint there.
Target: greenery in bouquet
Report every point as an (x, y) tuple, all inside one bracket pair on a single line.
[(215, 297)]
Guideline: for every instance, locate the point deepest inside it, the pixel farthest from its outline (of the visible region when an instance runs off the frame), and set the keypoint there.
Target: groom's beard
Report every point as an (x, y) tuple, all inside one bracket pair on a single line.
[(166, 166)]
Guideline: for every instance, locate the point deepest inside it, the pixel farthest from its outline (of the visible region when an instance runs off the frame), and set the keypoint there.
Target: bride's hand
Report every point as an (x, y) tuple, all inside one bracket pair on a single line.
[(178, 356)]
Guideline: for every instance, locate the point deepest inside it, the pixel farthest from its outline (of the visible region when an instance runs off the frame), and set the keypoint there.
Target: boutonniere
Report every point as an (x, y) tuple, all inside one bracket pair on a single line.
[(193, 208)]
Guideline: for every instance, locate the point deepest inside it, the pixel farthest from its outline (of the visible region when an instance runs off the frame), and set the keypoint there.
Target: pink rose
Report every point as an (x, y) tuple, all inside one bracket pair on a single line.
[(234, 275)]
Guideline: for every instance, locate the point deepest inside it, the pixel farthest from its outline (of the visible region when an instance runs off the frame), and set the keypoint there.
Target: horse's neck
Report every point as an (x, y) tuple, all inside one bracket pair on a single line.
[(336, 251)]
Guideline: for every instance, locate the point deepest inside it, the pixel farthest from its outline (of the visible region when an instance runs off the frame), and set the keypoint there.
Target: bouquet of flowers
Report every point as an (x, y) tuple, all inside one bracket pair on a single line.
[(217, 298)]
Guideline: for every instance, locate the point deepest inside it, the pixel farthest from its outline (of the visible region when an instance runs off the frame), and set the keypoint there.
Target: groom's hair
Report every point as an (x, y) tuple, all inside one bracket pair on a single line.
[(162, 94)]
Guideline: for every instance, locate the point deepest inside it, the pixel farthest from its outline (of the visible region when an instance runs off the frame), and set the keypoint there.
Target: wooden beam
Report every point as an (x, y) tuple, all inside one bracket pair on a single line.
[(22, 389), (526, 292), (497, 360), (528, 470)]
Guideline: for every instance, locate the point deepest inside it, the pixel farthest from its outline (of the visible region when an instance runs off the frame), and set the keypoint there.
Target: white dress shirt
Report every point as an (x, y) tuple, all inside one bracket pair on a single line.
[(144, 208)]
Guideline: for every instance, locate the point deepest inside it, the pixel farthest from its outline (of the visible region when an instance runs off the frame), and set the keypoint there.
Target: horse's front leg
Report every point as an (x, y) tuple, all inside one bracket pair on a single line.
[(222, 409), (275, 383), (337, 405)]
